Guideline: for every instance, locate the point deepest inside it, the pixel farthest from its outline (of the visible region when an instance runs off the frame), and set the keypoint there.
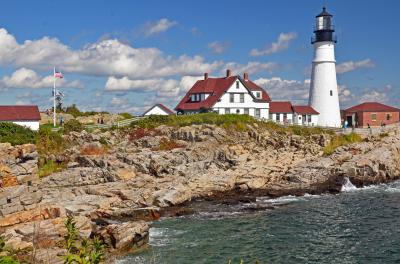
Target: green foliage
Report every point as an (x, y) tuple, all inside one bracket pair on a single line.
[(49, 142), (73, 110), (126, 115), (48, 167), (81, 251), (6, 253), (73, 125), (15, 134), (231, 120), (341, 140)]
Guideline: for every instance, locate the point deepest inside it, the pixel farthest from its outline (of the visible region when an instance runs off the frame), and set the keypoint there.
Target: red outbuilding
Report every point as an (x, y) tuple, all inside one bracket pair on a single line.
[(371, 113)]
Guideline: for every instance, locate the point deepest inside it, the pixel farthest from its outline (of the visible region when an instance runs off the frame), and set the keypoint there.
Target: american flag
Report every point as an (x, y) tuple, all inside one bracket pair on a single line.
[(58, 74)]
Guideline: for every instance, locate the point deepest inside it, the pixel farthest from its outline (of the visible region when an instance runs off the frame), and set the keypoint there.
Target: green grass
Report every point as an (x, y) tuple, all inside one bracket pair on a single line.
[(238, 121), (341, 140), (50, 167), (231, 121)]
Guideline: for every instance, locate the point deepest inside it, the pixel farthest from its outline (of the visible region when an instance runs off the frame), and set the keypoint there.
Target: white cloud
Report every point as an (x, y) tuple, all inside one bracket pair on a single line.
[(282, 43), (218, 47), (27, 78), (374, 96), (163, 88), (354, 65), (104, 58), (251, 67), (159, 26), (285, 90)]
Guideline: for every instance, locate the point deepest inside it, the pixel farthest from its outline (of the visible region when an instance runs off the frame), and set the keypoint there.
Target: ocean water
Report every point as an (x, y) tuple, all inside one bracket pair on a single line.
[(356, 226)]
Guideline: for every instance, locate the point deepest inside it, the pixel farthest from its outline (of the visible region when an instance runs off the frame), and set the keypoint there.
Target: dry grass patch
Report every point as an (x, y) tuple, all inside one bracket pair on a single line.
[(93, 150)]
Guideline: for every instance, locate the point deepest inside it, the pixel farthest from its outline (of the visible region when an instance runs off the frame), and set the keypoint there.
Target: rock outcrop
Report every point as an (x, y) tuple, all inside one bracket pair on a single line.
[(113, 192)]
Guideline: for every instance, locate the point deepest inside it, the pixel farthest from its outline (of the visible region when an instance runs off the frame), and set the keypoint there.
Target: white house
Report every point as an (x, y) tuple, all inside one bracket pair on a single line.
[(281, 112), (286, 113), (158, 109), (23, 115), (305, 115), (226, 95)]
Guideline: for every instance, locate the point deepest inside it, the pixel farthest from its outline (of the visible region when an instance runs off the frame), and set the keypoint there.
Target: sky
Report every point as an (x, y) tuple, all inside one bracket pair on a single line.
[(125, 56)]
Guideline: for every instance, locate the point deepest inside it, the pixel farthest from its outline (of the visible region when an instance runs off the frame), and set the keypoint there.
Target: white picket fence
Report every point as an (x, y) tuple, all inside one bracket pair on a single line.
[(118, 124)]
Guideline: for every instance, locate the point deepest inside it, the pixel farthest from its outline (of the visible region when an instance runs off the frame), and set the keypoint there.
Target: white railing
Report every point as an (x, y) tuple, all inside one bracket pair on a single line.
[(122, 123)]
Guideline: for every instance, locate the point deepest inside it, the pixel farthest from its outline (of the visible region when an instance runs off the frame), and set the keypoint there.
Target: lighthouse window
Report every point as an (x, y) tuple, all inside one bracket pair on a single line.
[(331, 93), (237, 84)]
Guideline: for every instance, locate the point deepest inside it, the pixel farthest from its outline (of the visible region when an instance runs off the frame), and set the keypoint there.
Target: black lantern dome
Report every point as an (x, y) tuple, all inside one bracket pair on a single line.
[(324, 30)]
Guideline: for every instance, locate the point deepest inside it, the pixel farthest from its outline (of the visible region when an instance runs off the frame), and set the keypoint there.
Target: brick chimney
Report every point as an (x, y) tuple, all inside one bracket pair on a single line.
[(205, 75), (245, 76), (228, 73)]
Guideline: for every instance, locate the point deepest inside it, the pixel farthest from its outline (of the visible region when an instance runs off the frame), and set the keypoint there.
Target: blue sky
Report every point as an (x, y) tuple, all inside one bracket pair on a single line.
[(127, 55)]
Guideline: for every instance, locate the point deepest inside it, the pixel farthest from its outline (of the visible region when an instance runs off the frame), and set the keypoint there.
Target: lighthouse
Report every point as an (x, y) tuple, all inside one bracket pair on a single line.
[(323, 87)]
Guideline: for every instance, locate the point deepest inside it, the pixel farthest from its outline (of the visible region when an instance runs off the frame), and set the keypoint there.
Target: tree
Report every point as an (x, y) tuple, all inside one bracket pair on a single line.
[(81, 251)]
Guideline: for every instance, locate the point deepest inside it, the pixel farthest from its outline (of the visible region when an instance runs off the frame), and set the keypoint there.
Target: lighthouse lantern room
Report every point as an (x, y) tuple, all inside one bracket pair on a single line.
[(323, 87)]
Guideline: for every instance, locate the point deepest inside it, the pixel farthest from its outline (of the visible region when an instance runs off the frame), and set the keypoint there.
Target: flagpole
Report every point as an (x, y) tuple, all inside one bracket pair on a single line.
[(54, 97)]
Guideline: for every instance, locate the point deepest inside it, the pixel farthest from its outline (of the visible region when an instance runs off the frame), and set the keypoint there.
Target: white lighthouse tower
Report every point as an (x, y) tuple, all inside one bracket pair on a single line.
[(323, 88)]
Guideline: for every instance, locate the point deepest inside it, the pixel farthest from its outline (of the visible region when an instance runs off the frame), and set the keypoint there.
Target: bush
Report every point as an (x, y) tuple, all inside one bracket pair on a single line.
[(126, 115), (73, 125), (49, 142), (49, 167), (168, 144), (341, 140), (89, 251), (15, 134), (187, 120), (7, 254)]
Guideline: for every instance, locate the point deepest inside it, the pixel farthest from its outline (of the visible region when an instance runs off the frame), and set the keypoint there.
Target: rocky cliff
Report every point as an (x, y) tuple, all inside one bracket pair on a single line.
[(117, 181)]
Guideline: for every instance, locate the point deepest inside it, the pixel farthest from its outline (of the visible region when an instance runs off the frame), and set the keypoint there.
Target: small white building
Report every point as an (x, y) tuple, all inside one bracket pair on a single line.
[(305, 115), (281, 112), (23, 115), (226, 95), (158, 109)]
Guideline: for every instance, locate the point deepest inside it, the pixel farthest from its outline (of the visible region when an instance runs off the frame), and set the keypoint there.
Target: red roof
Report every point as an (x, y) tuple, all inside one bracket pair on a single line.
[(19, 113), (216, 87), (372, 107), (163, 107), (280, 107), (304, 110)]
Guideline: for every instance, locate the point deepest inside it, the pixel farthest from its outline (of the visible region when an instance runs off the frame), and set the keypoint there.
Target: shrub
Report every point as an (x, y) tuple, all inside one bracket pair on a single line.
[(126, 115), (168, 144), (341, 140), (48, 167), (93, 150), (49, 142), (89, 251), (187, 120), (73, 125), (15, 134), (7, 254), (138, 133)]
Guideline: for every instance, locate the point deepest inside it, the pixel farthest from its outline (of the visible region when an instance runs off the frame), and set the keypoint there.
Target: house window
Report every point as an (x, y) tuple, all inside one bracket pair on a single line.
[(197, 97), (237, 84), (331, 93), (284, 117), (299, 117), (232, 98), (258, 94), (202, 97), (309, 118), (246, 111), (227, 110), (388, 117), (271, 116), (237, 111), (373, 116), (277, 117), (242, 98), (192, 98), (257, 112)]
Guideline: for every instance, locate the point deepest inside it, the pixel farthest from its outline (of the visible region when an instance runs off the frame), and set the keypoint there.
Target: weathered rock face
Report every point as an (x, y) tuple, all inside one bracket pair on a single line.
[(113, 191)]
